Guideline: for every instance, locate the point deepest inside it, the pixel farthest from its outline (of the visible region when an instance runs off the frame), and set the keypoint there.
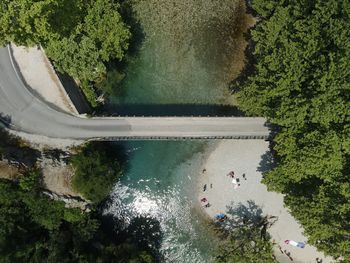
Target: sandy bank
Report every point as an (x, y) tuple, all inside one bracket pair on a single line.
[(251, 197)]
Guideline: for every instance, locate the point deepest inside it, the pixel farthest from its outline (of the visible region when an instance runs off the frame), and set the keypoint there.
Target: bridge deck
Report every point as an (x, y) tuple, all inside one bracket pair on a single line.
[(23, 111)]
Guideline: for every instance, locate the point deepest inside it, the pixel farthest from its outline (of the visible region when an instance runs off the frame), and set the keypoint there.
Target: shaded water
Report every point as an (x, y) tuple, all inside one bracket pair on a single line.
[(191, 50)]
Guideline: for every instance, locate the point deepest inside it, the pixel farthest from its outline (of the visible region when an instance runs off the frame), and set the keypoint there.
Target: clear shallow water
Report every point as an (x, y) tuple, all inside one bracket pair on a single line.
[(185, 61), (159, 183), (183, 66)]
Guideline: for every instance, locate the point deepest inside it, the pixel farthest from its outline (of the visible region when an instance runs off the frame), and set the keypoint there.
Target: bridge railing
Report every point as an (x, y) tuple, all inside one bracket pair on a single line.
[(180, 138)]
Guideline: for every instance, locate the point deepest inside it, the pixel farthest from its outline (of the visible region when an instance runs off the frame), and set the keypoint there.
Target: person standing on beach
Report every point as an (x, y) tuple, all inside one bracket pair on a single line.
[(231, 174)]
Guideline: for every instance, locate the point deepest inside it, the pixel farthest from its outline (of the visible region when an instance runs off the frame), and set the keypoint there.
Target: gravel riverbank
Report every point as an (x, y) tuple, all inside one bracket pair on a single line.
[(251, 196)]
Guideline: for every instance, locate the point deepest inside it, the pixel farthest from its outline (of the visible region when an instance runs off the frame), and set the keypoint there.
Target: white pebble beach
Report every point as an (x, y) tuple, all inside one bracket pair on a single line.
[(245, 157)]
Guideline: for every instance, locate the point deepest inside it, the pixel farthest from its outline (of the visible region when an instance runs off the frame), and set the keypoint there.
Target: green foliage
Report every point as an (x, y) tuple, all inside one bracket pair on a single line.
[(24, 22), (89, 92), (78, 57), (29, 181), (302, 84), (34, 228), (265, 8), (246, 244), (78, 35), (94, 172), (106, 29), (112, 83)]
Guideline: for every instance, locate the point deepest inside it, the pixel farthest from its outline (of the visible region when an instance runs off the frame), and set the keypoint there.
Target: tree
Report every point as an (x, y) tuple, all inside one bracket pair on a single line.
[(79, 57), (29, 181), (247, 243), (94, 172), (301, 84), (34, 228), (80, 36), (106, 28), (25, 22)]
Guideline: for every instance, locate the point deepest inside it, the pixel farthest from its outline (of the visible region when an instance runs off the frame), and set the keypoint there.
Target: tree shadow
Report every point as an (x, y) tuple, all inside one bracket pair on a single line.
[(144, 232), (269, 159), (163, 110), (73, 91), (15, 152), (114, 151), (138, 34), (243, 214), (56, 155)]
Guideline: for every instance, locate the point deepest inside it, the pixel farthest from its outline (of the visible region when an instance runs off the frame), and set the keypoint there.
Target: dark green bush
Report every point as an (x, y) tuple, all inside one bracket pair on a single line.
[(95, 173)]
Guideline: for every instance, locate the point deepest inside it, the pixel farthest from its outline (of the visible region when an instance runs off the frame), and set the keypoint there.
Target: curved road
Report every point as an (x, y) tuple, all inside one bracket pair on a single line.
[(24, 112)]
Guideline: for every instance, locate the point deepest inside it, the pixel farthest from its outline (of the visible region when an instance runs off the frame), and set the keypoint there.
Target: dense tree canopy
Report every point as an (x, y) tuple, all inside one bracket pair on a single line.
[(34, 228), (302, 84), (95, 172), (78, 35), (246, 245)]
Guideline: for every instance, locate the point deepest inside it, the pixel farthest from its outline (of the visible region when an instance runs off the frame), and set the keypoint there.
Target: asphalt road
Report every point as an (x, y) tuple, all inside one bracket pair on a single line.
[(24, 112)]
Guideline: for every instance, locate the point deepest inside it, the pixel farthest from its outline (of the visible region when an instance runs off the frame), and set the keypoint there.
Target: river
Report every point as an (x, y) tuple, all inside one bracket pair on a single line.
[(190, 51)]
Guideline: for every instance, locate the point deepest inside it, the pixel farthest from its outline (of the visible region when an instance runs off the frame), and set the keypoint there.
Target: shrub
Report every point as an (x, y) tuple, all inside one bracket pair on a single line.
[(95, 173)]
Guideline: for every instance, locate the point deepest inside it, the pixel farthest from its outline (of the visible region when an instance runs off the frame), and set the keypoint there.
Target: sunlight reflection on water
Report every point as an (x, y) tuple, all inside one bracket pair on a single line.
[(159, 183), (172, 212), (186, 58)]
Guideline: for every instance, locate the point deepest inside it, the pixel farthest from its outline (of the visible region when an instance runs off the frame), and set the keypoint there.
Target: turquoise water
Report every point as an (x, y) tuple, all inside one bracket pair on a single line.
[(160, 183), (182, 67), (185, 60)]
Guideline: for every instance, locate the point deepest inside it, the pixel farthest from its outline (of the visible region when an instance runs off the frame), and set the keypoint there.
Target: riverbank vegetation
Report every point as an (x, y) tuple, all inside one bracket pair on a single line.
[(80, 36), (247, 242), (301, 84), (95, 172), (35, 228)]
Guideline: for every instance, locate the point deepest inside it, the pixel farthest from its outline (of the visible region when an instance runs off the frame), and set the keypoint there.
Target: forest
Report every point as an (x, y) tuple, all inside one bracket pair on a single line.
[(301, 84), (79, 36), (35, 228)]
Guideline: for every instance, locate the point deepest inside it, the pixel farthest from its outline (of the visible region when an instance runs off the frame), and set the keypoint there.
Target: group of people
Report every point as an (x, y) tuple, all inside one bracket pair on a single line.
[(287, 253), (236, 181), (295, 244), (205, 202), (221, 217)]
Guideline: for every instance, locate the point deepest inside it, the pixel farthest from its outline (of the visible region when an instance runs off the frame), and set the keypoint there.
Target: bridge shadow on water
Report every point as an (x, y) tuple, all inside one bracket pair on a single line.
[(163, 110)]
